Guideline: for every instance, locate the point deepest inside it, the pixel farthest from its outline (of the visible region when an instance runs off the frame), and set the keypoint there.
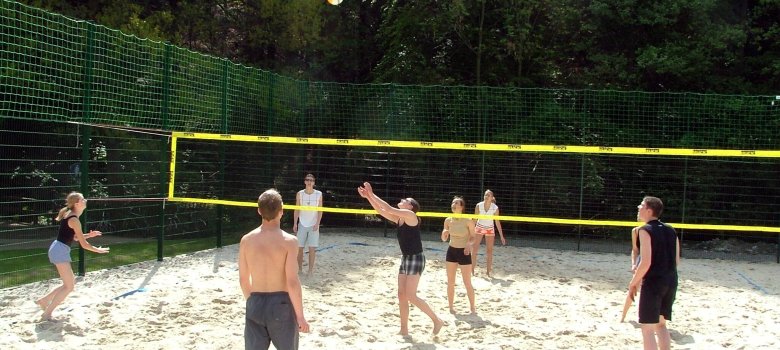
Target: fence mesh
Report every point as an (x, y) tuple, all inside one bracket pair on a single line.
[(88, 108)]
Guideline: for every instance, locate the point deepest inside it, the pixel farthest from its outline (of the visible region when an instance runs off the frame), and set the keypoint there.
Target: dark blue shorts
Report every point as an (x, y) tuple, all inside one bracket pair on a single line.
[(270, 318)]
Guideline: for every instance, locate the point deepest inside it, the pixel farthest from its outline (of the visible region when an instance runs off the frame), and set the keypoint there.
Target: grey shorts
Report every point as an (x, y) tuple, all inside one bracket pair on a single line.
[(59, 253), (308, 237), (270, 318)]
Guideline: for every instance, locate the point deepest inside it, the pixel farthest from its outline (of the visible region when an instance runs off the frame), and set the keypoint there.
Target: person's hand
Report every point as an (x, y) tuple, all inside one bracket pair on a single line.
[(362, 192), (467, 249), (94, 233), (303, 326), (101, 250), (633, 287), (316, 227), (368, 188), (503, 240), (445, 234), (295, 227)]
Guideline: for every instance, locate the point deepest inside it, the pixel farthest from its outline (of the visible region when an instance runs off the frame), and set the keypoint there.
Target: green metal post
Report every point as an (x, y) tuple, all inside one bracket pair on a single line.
[(271, 114), (224, 130), (165, 158), (483, 136), (86, 131), (582, 194), (685, 200)]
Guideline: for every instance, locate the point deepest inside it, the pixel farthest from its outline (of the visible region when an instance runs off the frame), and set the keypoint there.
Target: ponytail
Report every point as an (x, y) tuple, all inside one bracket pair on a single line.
[(62, 213), (70, 201)]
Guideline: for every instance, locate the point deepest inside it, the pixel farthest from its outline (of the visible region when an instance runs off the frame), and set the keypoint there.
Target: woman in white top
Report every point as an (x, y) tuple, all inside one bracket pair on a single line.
[(484, 228)]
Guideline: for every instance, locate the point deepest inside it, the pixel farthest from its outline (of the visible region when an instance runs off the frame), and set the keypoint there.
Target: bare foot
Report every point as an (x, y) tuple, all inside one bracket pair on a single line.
[(404, 333), (437, 326), (46, 317), (42, 304), (452, 310)]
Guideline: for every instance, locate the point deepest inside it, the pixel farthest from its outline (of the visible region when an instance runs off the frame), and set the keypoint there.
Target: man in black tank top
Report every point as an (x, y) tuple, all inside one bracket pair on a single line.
[(656, 274)]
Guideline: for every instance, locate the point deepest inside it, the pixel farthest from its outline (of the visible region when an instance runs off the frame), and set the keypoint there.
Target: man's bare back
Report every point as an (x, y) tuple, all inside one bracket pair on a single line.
[(269, 254)]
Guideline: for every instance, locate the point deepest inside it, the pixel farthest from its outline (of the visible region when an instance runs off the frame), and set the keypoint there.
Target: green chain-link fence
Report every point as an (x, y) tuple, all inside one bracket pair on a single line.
[(87, 108)]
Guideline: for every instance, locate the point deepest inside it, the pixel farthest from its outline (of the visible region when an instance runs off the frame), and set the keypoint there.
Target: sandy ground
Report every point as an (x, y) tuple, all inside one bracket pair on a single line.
[(539, 299)]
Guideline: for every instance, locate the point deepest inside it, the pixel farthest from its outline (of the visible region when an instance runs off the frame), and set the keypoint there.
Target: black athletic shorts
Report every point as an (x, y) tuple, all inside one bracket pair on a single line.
[(656, 298), (457, 255)]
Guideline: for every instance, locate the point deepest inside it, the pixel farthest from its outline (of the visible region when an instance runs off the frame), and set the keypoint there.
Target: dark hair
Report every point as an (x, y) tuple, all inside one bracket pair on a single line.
[(415, 205), (459, 198), (310, 176), (270, 203), (655, 204)]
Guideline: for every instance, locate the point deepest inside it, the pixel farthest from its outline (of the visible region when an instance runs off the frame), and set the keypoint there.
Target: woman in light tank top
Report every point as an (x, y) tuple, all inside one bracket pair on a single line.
[(484, 228), (460, 232)]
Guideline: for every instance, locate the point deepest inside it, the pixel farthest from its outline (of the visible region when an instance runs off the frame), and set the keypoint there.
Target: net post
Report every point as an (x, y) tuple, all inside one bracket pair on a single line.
[(223, 129), (165, 158), (86, 131), (582, 194)]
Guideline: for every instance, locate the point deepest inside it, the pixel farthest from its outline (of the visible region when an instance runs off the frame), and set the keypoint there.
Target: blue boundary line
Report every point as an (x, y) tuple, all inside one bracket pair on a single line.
[(754, 284), (129, 293)]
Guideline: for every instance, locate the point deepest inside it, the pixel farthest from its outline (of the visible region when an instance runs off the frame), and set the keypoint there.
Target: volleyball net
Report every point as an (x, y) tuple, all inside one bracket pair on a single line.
[(540, 184)]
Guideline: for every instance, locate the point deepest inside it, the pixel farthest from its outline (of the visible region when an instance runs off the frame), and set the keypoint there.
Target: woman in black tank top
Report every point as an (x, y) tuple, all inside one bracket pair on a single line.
[(413, 261), (59, 251)]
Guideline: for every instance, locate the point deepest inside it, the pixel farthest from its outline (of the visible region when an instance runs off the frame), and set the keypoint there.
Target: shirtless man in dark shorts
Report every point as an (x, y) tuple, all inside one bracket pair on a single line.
[(268, 273)]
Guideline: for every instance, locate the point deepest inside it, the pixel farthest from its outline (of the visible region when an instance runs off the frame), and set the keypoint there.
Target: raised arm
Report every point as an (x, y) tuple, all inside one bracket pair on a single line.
[(386, 210)]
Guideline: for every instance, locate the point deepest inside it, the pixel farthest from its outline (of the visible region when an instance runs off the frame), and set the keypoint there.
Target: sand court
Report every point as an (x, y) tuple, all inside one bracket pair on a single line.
[(539, 298)]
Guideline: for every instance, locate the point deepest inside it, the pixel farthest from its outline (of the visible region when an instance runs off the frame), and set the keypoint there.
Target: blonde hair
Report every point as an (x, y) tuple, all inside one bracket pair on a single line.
[(70, 201), (492, 195)]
